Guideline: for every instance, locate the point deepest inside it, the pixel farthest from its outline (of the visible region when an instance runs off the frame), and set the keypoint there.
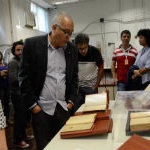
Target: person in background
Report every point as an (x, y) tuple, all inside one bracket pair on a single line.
[(4, 87), (21, 115), (124, 57), (49, 78), (90, 64), (3, 143), (143, 58)]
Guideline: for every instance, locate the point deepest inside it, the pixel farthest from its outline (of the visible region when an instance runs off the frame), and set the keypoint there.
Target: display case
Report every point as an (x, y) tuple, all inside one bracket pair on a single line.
[(125, 102)]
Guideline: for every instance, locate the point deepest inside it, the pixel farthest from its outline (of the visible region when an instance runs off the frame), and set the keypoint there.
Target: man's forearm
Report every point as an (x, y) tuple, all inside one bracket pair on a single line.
[(100, 75), (143, 70), (113, 70)]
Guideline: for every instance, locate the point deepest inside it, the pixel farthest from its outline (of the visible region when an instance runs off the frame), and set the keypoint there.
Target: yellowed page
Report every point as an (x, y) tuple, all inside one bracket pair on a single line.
[(77, 127), (82, 119), (79, 123), (140, 124), (148, 88), (95, 102), (139, 115), (94, 108)]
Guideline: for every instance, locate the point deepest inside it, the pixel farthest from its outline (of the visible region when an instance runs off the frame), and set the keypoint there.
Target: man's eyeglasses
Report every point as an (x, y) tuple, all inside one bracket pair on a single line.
[(84, 48), (67, 33)]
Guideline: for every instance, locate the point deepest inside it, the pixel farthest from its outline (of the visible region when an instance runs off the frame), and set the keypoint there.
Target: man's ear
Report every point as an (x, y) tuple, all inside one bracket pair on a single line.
[(54, 27)]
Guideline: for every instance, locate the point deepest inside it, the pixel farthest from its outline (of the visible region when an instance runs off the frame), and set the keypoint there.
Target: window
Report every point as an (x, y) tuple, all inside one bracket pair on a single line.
[(41, 17)]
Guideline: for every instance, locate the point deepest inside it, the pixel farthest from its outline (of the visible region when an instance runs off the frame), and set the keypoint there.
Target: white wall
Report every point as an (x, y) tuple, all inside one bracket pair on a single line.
[(5, 27), (122, 14), (12, 24), (17, 26), (119, 15), (22, 32)]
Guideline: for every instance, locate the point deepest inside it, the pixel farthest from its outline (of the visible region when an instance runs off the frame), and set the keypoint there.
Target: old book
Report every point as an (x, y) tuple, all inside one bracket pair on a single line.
[(140, 121), (136, 115), (136, 143), (79, 123), (96, 102), (102, 125)]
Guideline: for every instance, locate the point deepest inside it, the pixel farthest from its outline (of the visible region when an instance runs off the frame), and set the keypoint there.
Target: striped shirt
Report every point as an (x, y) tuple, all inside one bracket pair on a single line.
[(124, 59), (88, 67), (87, 74)]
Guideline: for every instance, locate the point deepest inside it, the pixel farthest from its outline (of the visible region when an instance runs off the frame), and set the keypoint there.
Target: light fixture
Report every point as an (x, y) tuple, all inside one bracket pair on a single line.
[(64, 2)]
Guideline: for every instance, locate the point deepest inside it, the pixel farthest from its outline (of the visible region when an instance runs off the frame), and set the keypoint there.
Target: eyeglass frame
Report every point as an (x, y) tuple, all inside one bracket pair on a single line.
[(85, 48), (63, 30)]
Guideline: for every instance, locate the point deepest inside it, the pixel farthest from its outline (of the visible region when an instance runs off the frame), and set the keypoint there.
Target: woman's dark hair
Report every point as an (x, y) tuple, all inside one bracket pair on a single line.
[(1, 56), (146, 34), (125, 32), (82, 38), (14, 46)]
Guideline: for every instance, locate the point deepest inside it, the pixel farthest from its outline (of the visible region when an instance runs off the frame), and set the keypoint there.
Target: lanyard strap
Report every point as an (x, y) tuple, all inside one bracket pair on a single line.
[(126, 53)]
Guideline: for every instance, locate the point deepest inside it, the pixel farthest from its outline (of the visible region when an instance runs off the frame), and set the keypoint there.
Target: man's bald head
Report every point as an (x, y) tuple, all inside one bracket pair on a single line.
[(62, 18), (62, 29)]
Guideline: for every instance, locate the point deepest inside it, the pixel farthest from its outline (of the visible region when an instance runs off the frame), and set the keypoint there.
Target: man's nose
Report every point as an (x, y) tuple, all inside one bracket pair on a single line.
[(68, 37)]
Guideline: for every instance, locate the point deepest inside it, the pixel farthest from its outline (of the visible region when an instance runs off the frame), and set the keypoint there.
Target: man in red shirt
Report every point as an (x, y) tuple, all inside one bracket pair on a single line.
[(124, 57)]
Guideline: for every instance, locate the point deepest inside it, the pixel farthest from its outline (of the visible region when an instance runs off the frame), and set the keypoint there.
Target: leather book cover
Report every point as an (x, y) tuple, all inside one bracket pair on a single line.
[(136, 143), (103, 124)]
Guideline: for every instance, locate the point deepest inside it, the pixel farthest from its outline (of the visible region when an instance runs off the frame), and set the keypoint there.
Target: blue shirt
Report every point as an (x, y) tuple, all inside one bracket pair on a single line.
[(143, 60), (54, 88), (3, 80)]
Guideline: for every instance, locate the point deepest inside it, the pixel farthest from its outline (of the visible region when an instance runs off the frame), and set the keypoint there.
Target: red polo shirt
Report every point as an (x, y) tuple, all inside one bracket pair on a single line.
[(120, 55)]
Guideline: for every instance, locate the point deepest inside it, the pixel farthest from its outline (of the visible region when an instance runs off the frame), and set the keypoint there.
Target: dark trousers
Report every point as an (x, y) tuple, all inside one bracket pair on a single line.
[(45, 127), (4, 96), (21, 118), (83, 91)]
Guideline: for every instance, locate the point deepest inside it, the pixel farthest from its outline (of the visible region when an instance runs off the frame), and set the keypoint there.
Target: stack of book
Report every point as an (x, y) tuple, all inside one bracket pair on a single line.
[(95, 119), (139, 123)]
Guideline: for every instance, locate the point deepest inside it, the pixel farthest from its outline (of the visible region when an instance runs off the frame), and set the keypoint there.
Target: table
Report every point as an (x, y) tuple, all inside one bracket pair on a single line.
[(104, 142), (110, 141)]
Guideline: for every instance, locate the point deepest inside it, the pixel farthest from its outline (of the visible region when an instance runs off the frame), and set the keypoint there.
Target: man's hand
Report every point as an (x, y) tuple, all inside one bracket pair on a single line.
[(136, 74), (4, 73), (115, 81), (69, 106), (36, 109), (95, 87)]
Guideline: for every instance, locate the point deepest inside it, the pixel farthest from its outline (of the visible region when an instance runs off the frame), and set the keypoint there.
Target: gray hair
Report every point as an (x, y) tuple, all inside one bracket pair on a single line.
[(58, 18)]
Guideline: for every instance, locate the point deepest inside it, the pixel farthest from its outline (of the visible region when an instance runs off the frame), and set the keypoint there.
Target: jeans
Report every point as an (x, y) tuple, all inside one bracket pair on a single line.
[(121, 86)]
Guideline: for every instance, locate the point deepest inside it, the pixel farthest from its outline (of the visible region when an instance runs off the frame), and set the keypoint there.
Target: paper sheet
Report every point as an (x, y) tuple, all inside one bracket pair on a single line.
[(95, 102)]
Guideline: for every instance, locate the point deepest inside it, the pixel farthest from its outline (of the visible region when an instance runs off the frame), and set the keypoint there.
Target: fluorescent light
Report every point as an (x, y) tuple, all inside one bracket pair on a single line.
[(18, 27), (64, 2)]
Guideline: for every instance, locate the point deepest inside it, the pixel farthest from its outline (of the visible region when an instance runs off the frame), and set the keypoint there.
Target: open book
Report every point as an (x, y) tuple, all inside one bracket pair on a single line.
[(95, 102), (140, 121), (148, 88), (79, 123)]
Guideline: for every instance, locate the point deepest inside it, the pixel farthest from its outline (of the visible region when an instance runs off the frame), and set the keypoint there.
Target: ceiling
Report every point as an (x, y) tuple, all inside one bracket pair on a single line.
[(52, 3)]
